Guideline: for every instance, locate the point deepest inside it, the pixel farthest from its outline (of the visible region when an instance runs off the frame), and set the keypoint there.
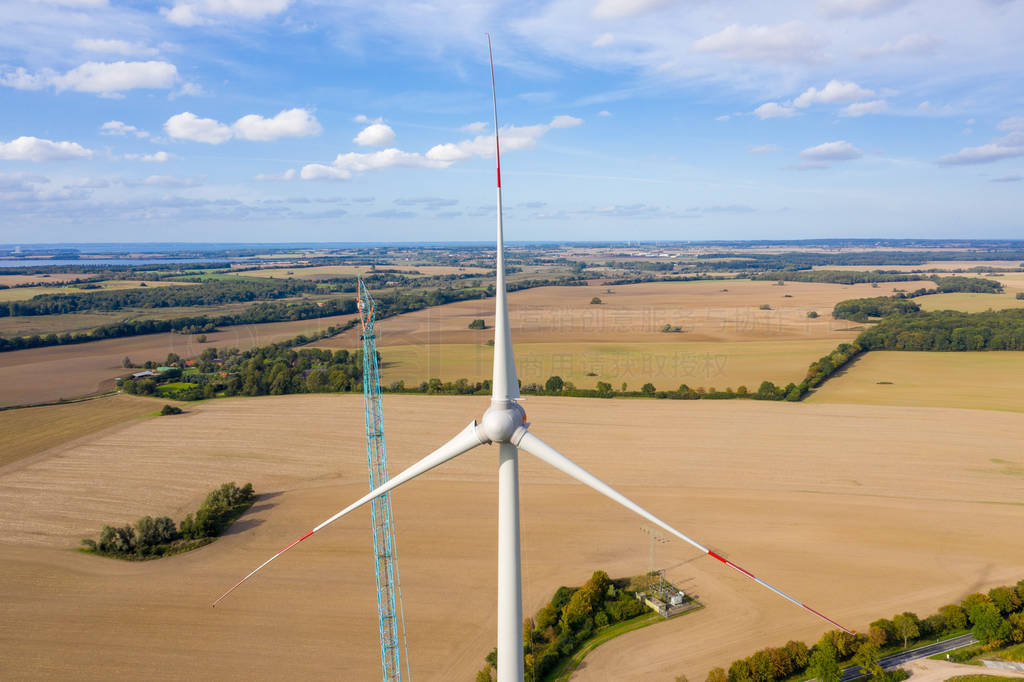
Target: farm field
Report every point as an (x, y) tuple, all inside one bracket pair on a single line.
[(989, 380), (724, 364), (25, 293), (51, 278), (321, 271), (726, 339), (969, 303), (896, 506), (43, 374), (31, 431), (77, 322), (929, 265)]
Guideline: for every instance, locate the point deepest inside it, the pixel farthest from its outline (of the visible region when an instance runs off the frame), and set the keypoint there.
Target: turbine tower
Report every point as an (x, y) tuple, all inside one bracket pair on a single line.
[(504, 423)]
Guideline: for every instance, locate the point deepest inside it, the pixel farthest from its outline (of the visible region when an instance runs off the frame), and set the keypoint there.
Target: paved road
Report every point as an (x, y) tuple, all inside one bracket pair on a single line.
[(890, 662)]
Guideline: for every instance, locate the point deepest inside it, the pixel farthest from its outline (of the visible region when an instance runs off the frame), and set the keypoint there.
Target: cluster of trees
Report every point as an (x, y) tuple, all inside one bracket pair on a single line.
[(836, 276), (568, 620), (209, 292), (266, 370), (948, 330), (862, 309), (995, 619), (149, 538)]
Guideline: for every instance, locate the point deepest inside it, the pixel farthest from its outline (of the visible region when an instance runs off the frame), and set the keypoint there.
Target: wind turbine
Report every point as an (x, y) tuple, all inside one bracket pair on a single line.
[(504, 423)]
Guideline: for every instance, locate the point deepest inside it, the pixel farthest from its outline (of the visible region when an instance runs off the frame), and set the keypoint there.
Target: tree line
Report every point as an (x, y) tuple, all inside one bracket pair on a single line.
[(208, 292), (151, 538), (571, 616), (995, 619)]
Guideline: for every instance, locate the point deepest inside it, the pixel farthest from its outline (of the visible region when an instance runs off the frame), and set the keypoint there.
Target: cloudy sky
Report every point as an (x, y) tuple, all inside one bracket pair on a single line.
[(336, 120)]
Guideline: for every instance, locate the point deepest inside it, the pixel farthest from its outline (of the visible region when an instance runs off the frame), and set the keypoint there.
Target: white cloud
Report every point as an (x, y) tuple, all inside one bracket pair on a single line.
[(288, 123), (604, 112), (360, 118), (724, 117), (20, 79), (774, 110), (513, 138), (188, 90), (345, 165), (1007, 147), (167, 181), (1014, 124), (375, 135), (785, 42), (121, 128), (196, 12), (620, 9), (912, 44), (121, 47), (857, 109), (861, 8), (269, 177), (840, 150), (156, 157), (833, 92), (475, 127), (603, 40), (318, 171), (36, 149), (188, 126), (115, 77), (765, 149)]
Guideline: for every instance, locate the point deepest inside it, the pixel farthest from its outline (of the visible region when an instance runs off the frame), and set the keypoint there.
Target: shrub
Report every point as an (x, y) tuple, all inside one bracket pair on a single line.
[(813, 314), (595, 301), (477, 324), (170, 409)]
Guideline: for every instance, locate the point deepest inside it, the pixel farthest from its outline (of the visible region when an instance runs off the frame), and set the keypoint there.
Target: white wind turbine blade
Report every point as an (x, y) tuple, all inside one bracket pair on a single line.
[(505, 381), (466, 440), (535, 446)]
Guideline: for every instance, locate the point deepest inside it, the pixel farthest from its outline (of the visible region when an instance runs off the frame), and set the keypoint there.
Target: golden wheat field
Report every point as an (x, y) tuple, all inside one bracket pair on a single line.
[(861, 511), (725, 337)]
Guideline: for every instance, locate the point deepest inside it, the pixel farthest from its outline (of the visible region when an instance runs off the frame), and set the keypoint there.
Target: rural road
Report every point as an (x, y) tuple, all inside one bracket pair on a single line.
[(890, 662)]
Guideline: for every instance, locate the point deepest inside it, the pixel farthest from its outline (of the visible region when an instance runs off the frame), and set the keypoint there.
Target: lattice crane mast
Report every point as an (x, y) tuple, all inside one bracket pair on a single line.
[(390, 614)]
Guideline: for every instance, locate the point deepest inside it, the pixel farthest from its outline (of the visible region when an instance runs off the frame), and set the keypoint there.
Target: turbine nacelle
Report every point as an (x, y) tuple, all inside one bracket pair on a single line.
[(503, 421)]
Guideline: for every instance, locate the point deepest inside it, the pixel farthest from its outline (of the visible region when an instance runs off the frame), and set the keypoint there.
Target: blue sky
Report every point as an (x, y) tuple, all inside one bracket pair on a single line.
[(306, 120)]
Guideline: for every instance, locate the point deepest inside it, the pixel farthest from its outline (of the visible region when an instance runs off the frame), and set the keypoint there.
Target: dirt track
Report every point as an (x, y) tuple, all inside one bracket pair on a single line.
[(860, 511)]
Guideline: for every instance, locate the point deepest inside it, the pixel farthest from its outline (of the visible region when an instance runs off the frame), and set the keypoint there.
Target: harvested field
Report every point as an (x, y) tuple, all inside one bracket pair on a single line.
[(895, 507), (969, 303), (667, 365), (927, 266), (44, 374), (321, 271), (988, 380), (725, 339), (51, 278), (30, 431), (25, 293)]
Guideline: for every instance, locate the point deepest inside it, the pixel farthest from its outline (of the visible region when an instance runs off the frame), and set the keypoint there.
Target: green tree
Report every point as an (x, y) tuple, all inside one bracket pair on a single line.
[(554, 384), (989, 625), (1005, 599), (824, 664), (906, 625), (954, 617), (604, 389), (595, 301), (812, 314), (716, 675), (477, 324), (647, 389), (866, 659)]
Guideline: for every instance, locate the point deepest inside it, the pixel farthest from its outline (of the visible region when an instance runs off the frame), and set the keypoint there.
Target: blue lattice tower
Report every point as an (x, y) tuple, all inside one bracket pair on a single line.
[(389, 595)]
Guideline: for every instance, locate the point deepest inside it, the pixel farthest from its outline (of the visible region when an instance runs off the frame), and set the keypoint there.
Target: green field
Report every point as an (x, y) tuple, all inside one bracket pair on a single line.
[(969, 303), (988, 380)]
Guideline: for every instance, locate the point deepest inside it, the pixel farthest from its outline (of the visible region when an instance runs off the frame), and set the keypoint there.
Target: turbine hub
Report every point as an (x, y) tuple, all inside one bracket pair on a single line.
[(502, 420)]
